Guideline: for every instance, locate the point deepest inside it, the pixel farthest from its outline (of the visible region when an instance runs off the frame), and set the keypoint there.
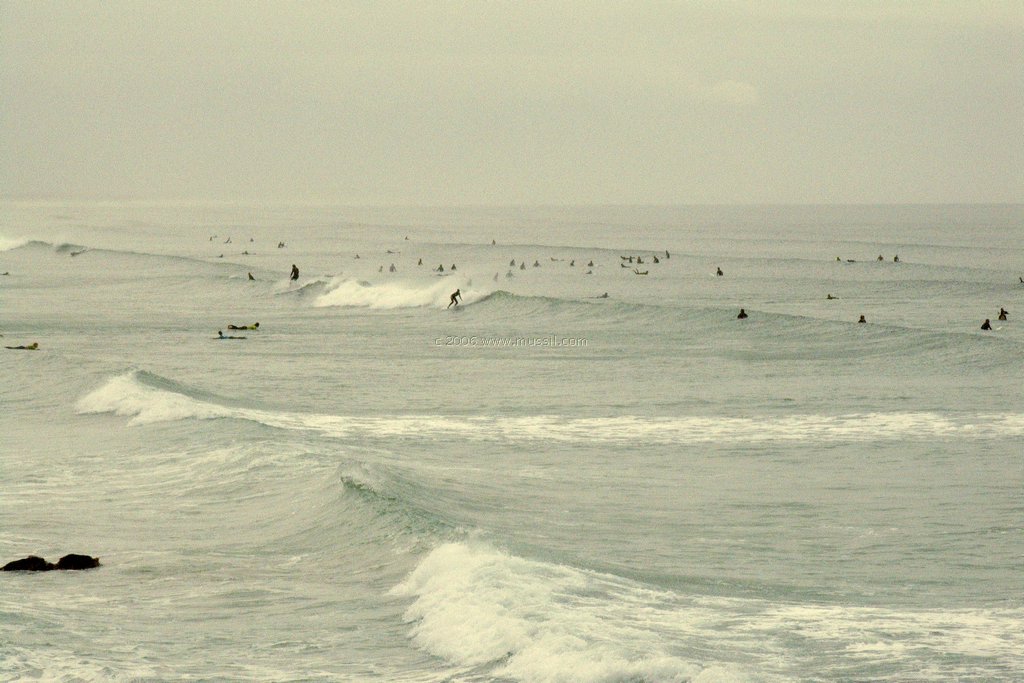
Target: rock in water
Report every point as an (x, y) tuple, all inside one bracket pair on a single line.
[(38, 564), (74, 561), (28, 564)]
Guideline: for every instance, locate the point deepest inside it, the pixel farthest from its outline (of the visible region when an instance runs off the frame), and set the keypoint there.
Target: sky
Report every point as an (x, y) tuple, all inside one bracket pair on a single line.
[(496, 103)]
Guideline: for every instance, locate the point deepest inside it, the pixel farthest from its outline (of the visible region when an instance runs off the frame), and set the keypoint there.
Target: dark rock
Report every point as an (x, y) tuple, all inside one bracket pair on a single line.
[(73, 561), (28, 564), (38, 564)]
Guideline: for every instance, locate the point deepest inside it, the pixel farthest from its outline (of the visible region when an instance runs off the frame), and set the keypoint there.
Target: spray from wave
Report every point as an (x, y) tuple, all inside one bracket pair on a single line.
[(9, 243)]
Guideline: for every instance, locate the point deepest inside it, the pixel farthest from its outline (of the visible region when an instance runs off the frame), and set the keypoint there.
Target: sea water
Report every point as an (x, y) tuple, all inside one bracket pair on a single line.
[(542, 483)]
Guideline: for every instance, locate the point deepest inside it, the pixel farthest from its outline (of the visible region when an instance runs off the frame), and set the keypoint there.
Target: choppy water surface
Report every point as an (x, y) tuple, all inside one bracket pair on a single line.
[(540, 484)]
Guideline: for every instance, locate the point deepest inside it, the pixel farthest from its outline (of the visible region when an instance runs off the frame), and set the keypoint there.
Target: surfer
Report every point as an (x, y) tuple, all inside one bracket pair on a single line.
[(896, 258), (34, 346), (251, 277), (830, 297), (742, 315), (392, 268), (1003, 313), (220, 335), (454, 298), (986, 325), (719, 272), (295, 272), (862, 320), (254, 326)]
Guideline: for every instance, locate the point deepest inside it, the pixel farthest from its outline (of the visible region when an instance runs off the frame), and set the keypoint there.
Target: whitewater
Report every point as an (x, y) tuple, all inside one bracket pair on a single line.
[(587, 470)]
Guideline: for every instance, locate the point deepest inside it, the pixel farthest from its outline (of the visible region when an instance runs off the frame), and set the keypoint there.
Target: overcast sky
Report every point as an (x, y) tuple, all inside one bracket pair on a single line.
[(807, 101)]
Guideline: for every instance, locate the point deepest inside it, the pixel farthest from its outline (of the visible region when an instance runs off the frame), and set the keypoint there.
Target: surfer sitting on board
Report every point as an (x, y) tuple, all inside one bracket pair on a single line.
[(454, 298), (295, 272), (986, 325)]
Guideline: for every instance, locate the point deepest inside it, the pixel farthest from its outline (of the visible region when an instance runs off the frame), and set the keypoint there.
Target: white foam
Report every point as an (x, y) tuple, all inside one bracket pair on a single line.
[(533, 621), (397, 294)]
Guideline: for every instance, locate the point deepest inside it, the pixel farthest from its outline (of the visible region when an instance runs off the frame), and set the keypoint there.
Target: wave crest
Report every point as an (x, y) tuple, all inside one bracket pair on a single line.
[(401, 294), (147, 398)]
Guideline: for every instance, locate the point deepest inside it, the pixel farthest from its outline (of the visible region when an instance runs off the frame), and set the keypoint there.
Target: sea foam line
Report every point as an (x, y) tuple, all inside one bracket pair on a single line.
[(127, 396)]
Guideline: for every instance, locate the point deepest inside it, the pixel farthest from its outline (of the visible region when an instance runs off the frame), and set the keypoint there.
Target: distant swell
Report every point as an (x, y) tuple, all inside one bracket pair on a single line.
[(147, 398)]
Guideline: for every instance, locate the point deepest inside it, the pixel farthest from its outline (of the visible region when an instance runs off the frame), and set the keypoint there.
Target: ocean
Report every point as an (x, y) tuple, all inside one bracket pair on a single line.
[(587, 470)]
